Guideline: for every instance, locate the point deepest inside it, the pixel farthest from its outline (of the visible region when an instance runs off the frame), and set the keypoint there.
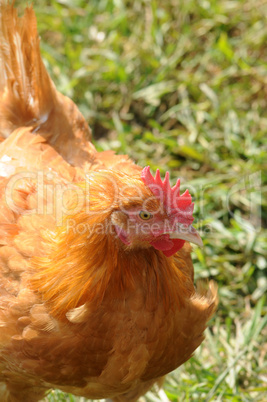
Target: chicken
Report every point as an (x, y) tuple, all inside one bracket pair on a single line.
[(96, 280)]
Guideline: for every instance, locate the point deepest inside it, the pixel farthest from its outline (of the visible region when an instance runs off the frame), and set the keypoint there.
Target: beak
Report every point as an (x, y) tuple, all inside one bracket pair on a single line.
[(188, 233)]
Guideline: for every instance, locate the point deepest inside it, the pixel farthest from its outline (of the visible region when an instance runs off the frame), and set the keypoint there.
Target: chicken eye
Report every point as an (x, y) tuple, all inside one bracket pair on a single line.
[(145, 215)]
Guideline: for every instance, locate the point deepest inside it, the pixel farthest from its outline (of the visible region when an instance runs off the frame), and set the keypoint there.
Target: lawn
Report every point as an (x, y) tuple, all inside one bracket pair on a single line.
[(182, 86)]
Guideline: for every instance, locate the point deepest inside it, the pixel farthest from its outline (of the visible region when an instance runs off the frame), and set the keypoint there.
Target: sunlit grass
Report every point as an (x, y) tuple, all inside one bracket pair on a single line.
[(181, 85)]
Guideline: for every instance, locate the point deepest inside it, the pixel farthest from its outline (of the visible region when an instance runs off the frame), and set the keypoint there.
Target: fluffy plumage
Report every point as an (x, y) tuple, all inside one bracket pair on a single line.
[(86, 304)]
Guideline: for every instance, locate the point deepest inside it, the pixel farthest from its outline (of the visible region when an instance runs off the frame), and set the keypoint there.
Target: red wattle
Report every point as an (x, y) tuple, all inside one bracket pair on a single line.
[(167, 246), (177, 245), (162, 243)]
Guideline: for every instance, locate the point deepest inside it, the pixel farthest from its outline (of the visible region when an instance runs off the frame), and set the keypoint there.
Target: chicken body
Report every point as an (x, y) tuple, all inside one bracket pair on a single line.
[(82, 308)]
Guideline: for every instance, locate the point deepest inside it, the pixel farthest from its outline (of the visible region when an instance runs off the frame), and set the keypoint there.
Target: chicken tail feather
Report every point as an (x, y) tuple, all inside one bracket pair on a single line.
[(28, 97), (26, 91)]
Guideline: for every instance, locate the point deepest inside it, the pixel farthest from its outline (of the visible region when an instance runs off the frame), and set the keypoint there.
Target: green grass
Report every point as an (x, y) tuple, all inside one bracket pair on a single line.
[(182, 85)]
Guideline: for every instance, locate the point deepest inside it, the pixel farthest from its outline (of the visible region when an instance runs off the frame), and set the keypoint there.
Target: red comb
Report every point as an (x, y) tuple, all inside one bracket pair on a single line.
[(173, 202)]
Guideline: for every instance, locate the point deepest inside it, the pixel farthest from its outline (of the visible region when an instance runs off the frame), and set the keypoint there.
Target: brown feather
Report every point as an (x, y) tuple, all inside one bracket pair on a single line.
[(79, 310)]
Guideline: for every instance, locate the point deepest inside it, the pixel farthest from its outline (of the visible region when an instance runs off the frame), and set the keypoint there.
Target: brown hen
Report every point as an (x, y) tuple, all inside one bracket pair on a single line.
[(96, 279)]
